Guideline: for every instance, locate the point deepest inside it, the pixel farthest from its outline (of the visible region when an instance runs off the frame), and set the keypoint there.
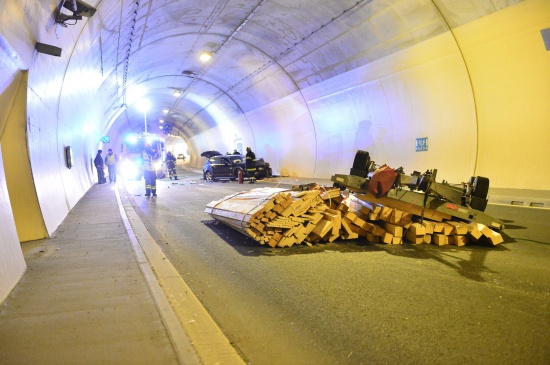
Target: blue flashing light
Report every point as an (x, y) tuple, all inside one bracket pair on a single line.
[(131, 139), (151, 139)]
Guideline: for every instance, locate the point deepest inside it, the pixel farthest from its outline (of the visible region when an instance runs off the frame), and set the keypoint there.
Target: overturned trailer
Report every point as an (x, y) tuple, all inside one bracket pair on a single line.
[(418, 192)]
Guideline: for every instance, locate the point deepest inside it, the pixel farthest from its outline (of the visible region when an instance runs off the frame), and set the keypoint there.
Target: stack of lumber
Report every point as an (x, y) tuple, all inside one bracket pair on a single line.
[(407, 226), (278, 217), (281, 218)]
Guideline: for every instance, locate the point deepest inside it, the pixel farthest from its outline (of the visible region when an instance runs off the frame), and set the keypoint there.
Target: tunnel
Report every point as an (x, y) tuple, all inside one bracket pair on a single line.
[(305, 84)]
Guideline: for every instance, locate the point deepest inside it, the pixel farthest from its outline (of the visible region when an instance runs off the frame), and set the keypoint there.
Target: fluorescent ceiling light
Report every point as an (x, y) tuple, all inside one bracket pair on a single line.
[(177, 93), (143, 105), (205, 56), (161, 120), (165, 111)]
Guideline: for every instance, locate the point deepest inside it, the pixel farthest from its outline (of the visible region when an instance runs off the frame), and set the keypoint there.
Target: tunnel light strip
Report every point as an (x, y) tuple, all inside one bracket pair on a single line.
[(127, 58), (242, 24)]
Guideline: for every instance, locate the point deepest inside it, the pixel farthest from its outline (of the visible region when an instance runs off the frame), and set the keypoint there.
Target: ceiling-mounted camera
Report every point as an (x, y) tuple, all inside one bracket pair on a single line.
[(78, 8)]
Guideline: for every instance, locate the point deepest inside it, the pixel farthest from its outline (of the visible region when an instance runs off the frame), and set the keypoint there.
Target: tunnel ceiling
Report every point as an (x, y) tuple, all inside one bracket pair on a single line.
[(262, 50)]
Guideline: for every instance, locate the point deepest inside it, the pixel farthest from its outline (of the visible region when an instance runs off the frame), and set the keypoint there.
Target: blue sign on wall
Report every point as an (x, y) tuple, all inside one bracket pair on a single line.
[(421, 144), (105, 139)]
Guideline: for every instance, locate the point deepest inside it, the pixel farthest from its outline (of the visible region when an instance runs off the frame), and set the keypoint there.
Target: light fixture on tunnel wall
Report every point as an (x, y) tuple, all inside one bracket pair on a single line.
[(205, 56), (48, 49), (165, 111), (69, 156), (161, 121), (77, 7), (177, 93)]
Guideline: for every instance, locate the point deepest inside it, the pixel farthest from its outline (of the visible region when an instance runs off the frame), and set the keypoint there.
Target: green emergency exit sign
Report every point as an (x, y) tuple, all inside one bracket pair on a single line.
[(421, 144)]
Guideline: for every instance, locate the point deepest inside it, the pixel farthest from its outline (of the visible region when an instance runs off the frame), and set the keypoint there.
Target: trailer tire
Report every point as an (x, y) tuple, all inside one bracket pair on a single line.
[(361, 164), (480, 187), (478, 203)]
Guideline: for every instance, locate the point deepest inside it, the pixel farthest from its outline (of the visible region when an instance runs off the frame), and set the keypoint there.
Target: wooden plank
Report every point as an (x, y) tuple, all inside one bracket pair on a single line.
[(351, 216), (386, 214), (397, 241), (374, 216), (458, 240), (474, 231), (494, 237), (322, 228), (372, 238), (359, 222), (428, 226), (396, 216), (333, 216), (443, 228), (440, 239), (394, 229), (378, 231), (343, 208), (411, 237), (459, 228), (417, 229), (346, 226), (350, 236), (387, 238)]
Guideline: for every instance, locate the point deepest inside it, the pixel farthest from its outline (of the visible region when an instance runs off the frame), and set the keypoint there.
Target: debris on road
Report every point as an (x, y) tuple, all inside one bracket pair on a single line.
[(318, 214)]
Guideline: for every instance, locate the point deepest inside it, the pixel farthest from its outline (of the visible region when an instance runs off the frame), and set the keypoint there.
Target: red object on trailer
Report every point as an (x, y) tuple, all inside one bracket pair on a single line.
[(382, 181)]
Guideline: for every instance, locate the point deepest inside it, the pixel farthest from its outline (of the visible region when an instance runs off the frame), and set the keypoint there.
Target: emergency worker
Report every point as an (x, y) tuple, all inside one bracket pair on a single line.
[(150, 157), (98, 162), (111, 160), (171, 165), (251, 165)]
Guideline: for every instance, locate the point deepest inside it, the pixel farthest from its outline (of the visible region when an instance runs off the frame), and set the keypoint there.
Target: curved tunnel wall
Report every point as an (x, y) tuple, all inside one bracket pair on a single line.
[(478, 93)]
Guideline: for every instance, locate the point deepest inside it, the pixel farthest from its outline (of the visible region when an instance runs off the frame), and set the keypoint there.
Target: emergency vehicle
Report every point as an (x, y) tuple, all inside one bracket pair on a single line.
[(132, 151)]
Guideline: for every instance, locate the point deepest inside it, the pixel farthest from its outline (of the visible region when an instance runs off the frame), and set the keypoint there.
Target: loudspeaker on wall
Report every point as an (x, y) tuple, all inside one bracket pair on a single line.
[(48, 49)]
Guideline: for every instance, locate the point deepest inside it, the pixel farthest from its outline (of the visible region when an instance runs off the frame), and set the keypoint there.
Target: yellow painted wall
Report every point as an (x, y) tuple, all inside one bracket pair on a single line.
[(26, 210), (510, 73)]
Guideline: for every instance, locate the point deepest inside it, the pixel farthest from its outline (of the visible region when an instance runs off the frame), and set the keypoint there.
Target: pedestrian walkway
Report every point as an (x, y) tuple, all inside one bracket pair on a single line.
[(85, 299)]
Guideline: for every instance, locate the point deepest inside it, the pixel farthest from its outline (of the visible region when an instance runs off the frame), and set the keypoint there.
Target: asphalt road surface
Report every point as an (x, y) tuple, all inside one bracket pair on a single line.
[(353, 302)]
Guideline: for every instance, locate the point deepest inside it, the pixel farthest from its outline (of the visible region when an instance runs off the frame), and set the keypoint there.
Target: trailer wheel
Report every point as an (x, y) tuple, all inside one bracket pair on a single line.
[(480, 187), (361, 164), (478, 203)]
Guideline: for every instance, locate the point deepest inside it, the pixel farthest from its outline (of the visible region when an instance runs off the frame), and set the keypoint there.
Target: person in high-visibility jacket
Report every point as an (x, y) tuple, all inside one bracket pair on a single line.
[(110, 160), (150, 158), (170, 162), (251, 165)]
